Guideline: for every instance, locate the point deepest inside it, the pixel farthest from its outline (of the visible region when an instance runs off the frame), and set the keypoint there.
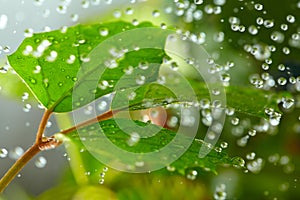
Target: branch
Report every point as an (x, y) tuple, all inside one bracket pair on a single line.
[(42, 126), (104, 116), (43, 143)]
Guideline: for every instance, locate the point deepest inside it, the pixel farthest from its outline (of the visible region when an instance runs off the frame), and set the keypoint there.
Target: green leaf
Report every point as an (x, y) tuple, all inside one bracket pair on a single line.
[(87, 59), (250, 101), (120, 137)]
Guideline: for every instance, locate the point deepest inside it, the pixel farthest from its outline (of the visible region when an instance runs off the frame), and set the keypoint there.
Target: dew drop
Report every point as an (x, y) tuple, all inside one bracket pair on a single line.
[(290, 18), (140, 80), (258, 6), (224, 145), (3, 21), (235, 121), (3, 153), (28, 32), (250, 156), (27, 107), (268, 23), (40, 162), (134, 139), (155, 13), (61, 9), (103, 32), (191, 174), (220, 193), (101, 181), (16, 153)]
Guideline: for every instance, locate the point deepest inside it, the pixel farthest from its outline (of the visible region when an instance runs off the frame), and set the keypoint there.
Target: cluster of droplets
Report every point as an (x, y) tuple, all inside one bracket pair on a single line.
[(102, 175)]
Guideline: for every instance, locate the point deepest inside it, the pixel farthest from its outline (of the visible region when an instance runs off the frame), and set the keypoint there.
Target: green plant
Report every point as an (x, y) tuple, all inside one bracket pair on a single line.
[(70, 68)]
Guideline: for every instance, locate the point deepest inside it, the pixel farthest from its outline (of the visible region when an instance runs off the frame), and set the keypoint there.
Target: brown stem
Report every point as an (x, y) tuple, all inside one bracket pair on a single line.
[(42, 143), (42, 126), (107, 115), (18, 165)]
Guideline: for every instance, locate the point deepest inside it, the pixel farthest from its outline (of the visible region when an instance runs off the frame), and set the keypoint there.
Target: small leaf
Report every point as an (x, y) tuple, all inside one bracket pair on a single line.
[(87, 59)]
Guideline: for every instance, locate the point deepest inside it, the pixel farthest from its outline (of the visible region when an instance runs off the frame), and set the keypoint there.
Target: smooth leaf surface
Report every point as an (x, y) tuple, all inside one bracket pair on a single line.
[(49, 63)]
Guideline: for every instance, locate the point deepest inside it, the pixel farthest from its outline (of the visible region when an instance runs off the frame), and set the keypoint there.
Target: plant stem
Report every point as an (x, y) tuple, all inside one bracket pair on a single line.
[(42, 126), (107, 115), (41, 144), (18, 165)]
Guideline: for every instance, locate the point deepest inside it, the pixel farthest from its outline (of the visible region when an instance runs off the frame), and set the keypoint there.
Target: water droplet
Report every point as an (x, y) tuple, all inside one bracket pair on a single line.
[(191, 174), (37, 69), (140, 80), (252, 132), (103, 32), (238, 162), (171, 168), (251, 156), (288, 103), (16, 153), (28, 32), (281, 81), (268, 23), (101, 181), (155, 13), (253, 30), (284, 27), (71, 59), (102, 106), (224, 145), (143, 65), (38, 2), (220, 193), (259, 20), (52, 57), (74, 17), (135, 22), (235, 121), (61, 9), (258, 6), (275, 119), (174, 66), (40, 162), (277, 37), (242, 142), (3, 21), (290, 18), (6, 49), (3, 153), (85, 3), (27, 107), (134, 139)]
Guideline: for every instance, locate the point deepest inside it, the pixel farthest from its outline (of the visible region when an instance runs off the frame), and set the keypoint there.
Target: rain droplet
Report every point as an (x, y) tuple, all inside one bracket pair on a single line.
[(28, 32), (103, 32), (134, 139), (27, 107), (40, 162), (258, 6), (290, 18), (16, 153), (3, 21), (155, 13), (3, 153)]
